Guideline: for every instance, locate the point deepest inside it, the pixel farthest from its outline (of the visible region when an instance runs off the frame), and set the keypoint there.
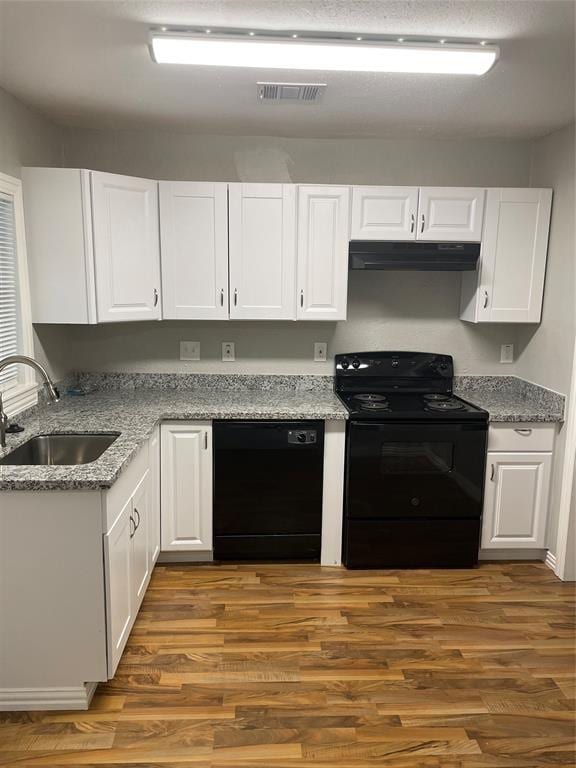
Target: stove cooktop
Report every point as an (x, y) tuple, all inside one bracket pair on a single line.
[(401, 385), (394, 405)]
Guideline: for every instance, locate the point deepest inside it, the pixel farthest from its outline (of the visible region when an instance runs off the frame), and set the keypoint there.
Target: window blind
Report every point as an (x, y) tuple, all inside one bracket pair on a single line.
[(9, 295)]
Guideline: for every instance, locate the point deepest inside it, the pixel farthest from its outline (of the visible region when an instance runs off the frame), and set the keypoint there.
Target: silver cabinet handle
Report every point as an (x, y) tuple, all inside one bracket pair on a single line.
[(131, 521), (423, 223), (221, 297), (302, 297), (492, 470), (155, 297), (235, 296), (206, 441), (412, 222), (138, 523), (485, 299), (524, 432)]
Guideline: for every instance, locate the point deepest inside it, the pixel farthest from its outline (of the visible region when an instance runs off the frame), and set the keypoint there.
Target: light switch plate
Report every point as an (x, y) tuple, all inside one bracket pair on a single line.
[(228, 351), (507, 353), (320, 351), (189, 350)]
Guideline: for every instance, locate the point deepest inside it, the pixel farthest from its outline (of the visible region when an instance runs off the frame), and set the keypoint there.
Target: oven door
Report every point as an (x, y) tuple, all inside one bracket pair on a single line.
[(415, 470)]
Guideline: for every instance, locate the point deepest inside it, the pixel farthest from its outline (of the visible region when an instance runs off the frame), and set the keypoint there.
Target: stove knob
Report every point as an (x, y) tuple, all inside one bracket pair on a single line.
[(344, 364), (301, 437), (356, 363)]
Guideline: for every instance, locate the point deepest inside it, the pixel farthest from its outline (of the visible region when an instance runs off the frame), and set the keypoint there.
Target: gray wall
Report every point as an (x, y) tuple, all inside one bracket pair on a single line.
[(388, 310), (547, 349), (27, 138)]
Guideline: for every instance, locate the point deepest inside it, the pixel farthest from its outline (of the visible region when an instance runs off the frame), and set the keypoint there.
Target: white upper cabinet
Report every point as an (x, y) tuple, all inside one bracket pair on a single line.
[(186, 486), (262, 224), (384, 213), (323, 235), (194, 246), (450, 214), (93, 252), (509, 284), (126, 247)]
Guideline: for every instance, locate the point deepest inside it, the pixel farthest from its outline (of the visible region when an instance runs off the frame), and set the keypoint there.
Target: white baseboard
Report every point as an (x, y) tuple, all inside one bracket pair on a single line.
[(512, 554), (550, 561), (185, 557), (33, 699)]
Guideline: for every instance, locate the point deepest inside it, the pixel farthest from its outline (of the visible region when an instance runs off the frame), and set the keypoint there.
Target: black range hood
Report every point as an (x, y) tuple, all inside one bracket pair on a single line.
[(438, 257)]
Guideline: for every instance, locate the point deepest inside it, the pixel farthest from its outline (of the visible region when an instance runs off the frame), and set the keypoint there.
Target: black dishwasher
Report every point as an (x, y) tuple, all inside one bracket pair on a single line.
[(268, 489)]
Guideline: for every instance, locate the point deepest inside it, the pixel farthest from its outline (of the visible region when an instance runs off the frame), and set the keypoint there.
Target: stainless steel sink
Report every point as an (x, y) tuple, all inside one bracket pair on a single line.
[(61, 449)]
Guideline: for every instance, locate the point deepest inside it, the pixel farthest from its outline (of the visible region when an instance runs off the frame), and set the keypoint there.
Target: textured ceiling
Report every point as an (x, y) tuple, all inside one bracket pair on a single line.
[(86, 63)]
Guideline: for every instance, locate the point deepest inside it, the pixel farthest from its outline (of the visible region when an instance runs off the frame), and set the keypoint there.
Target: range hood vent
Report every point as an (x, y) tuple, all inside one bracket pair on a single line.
[(438, 257)]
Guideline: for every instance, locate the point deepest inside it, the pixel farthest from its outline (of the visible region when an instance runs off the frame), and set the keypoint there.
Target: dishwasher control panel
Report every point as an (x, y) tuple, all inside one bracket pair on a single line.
[(302, 436)]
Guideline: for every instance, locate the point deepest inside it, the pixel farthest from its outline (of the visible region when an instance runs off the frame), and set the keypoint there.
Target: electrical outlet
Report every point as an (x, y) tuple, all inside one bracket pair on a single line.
[(228, 351), (507, 353), (189, 350), (320, 351)]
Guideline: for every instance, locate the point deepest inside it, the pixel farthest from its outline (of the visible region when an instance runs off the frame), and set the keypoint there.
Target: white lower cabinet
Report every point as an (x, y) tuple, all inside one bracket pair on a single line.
[(119, 600), (186, 487), (517, 489), (128, 560), (154, 509)]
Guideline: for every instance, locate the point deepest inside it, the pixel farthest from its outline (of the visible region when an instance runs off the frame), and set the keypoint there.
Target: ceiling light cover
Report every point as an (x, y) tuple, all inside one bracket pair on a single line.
[(322, 55)]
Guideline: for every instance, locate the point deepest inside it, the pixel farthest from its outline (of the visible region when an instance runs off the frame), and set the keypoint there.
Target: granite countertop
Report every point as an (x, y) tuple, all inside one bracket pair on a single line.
[(134, 413), (510, 399), (133, 404)]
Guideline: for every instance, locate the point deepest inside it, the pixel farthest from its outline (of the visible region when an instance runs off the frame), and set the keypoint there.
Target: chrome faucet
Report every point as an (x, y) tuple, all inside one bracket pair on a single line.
[(51, 391)]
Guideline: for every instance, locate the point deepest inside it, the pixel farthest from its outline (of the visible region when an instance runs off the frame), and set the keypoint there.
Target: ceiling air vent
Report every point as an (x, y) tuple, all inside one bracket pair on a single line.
[(308, 92)]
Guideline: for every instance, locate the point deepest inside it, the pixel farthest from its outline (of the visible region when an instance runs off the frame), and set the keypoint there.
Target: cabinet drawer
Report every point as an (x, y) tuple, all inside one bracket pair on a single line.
[(521, 437)]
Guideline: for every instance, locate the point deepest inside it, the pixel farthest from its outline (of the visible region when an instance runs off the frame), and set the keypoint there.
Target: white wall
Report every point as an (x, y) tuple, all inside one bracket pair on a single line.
[(547, 349), (388, 310)]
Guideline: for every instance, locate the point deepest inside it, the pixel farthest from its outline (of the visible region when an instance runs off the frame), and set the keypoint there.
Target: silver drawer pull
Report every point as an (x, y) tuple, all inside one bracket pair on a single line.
[(485, 299), (423, 223), (132, 523), (492, 473), (412, 222), (524, 432)]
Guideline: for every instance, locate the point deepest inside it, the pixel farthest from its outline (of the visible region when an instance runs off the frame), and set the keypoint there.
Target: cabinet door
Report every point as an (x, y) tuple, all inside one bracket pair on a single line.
[(194, 241), (450, 214), (154, 509), (513, 261), (141, 563), (384, 213), (126, 247), (186, 486), (120, 609), (516, 500), (262, 219), (323, 226)]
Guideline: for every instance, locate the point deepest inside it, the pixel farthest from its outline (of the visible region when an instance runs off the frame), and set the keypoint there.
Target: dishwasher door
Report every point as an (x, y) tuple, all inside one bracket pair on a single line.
[(268, 489)]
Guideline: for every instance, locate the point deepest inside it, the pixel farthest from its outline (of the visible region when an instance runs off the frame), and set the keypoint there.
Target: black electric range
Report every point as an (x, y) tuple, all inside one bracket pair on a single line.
[(415, 460)]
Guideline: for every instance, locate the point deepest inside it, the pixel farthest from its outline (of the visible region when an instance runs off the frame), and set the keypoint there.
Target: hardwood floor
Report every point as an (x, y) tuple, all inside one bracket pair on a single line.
[(283, 666)]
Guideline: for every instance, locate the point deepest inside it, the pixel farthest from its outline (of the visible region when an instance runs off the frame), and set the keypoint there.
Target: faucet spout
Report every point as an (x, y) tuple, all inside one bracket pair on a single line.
[(51, 391)]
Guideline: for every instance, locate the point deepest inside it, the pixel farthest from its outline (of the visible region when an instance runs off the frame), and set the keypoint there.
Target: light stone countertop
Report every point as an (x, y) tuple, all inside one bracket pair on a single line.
[(134, 413), (134, 404)]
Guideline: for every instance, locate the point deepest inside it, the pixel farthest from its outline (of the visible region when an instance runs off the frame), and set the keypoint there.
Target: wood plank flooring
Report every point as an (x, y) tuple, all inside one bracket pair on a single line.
[(303, 666)]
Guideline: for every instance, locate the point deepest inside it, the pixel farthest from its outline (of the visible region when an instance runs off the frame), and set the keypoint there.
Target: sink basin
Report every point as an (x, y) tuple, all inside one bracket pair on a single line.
[(61, 449)]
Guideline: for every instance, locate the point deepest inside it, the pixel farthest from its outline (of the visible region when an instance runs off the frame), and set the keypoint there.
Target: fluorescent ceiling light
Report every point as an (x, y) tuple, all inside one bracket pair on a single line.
[(245, 50)]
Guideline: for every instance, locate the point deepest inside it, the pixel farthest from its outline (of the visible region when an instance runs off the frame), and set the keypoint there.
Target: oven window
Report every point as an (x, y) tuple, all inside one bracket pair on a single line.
[(416, 458)]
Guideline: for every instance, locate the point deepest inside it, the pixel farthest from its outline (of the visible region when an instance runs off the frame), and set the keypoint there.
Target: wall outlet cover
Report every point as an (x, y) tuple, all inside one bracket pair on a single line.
[(507, 353), (228, 351), (189, 350), (320, 351)]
